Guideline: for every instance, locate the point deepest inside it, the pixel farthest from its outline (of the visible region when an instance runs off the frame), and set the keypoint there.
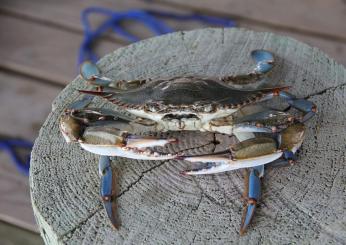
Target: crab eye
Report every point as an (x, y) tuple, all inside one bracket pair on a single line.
[(154, 107), (151, 108), (208, 108)]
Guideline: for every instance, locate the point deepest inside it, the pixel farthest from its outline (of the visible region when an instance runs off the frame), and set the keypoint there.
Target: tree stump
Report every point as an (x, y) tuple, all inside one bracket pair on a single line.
[(301, 204)]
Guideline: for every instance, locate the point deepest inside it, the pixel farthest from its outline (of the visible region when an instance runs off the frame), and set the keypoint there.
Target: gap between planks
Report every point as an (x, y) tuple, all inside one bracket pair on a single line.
[(61, 28), (302, 17)]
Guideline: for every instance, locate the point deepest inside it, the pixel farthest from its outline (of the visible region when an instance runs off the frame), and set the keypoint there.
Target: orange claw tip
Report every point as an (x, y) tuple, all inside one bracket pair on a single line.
[(173, 140), (314, 108), (276, 91), (184, 173), (242, 231), (179, 157), (116, 226)]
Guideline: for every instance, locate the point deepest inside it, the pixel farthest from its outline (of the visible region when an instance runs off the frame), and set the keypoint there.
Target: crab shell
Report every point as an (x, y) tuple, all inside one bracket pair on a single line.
[(184, 103)]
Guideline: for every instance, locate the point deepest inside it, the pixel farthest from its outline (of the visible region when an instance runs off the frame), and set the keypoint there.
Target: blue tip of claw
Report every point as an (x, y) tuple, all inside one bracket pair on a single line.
[(247, 217), (289, 155), (253, 182), (107, 190), (264, 60), (89, 70)]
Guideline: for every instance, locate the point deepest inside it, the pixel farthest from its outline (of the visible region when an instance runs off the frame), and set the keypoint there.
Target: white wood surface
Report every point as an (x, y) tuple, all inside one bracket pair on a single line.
[(301, 204)]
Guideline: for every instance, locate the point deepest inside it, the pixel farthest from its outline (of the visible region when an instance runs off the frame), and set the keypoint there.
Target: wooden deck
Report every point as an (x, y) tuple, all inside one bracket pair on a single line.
[(39, 45)]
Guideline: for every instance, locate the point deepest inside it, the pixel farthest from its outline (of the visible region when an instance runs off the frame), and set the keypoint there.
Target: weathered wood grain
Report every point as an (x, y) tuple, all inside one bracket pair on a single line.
[(301, 204), (41, 51), (319, 18), (24, 106), (66, 15), (15, 205), (12, 235)]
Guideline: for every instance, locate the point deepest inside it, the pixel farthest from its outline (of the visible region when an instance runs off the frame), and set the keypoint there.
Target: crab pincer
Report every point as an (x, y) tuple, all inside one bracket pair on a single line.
[(246, 154), (91, 73), (264, 61), (109, 135), (109, 141)]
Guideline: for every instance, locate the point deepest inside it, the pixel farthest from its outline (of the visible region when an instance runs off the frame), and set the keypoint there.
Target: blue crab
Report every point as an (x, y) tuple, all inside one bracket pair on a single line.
[(266, 135)]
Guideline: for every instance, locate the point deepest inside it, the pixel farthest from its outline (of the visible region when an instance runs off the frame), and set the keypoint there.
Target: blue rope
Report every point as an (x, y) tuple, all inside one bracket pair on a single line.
[(11, 146), (147, 17)]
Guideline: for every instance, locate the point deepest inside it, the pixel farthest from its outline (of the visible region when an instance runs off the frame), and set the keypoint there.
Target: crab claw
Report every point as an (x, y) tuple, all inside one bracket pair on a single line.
[(90, 72), (107, 191), (248, 153), (252, 194), (224, 162), (109, 141), (264, 61), (107, 135)]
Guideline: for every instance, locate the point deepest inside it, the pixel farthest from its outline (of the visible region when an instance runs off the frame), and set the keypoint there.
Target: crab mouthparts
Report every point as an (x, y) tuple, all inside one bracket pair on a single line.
[(172, 116)]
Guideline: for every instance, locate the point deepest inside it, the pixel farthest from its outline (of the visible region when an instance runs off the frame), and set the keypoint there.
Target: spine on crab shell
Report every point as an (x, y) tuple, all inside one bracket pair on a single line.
[(97, 93), (275, 90)]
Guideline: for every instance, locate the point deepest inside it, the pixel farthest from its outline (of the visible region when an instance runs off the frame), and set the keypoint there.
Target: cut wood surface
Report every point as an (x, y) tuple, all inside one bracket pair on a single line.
[(301, 204), (41, 38), (65, 15)]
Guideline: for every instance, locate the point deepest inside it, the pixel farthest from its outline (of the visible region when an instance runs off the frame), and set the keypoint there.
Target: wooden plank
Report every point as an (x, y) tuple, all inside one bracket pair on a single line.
[(15, 205), (335, 49), (42, 51), (24, 107), (319, 17), (11, 235), (65, 15)]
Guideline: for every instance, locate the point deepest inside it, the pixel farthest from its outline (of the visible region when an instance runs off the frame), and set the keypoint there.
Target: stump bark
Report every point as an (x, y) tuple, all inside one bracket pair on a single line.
[(301, 204)]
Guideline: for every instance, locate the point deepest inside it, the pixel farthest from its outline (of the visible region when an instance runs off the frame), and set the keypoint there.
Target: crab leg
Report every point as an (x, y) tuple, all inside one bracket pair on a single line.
[(247, 151), (264, 64), (252, 194), (91, 73), (253, 153), (107, 191), (252, 119), (307, 107), (266, 121), (252, 186)]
